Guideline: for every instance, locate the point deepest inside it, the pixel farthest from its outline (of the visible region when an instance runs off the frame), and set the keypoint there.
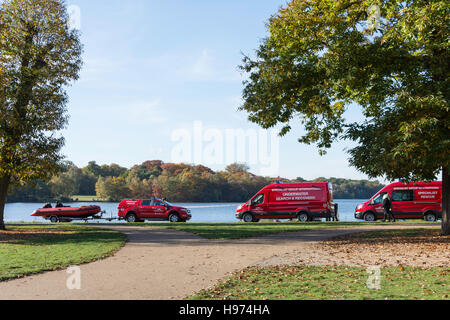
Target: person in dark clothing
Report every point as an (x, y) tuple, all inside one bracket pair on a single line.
[(47, 206), (387, 206), (59, 205), (336, 213)]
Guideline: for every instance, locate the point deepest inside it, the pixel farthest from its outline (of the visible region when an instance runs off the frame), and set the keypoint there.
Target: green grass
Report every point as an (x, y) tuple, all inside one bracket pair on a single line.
[(330, 283), (225, 231), (53, 247), (85, 198)]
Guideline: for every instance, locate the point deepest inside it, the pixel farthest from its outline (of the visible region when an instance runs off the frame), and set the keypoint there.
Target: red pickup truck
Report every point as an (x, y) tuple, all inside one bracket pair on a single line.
[(139, 210)]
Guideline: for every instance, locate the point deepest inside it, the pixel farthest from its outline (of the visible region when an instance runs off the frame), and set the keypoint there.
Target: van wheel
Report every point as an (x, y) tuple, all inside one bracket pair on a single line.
[(174, 218), (303, 217), (54, 219), (430, 217), (369, 217), (131, 218), (248, 217)]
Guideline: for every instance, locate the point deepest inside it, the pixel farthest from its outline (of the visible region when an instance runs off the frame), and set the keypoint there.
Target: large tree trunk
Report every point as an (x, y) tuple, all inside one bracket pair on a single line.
[(445, 202), (4, 184)]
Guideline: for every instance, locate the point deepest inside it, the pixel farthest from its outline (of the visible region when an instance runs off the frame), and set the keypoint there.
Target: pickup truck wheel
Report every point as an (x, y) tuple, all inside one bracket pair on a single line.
[(248, 217), (131, 218), (174, 218), (303, 217), (54, 219), (430, 217)]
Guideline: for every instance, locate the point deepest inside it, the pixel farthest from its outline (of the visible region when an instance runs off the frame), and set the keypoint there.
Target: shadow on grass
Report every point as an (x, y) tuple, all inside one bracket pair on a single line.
[(243, 230), (69, 234), (408, 236), (70, 245), (227, 231), (218, 235)]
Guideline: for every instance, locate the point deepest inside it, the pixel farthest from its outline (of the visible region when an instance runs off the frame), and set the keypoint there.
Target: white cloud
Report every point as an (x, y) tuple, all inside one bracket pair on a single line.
[(145, 112), (135, 112), (202, 65)]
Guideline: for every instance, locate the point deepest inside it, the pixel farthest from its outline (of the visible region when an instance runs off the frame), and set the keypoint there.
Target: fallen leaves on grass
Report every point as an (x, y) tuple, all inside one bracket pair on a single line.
[(422, 248)]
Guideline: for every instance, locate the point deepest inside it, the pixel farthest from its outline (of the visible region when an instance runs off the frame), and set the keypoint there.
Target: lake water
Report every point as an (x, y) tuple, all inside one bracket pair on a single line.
[(201, 212)]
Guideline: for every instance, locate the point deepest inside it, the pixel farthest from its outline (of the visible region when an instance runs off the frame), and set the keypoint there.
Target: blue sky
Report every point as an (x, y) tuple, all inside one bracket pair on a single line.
[(152, 68)]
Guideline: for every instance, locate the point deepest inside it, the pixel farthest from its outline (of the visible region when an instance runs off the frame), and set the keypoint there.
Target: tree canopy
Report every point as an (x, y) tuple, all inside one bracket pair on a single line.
[(39, 56), (323, 57)]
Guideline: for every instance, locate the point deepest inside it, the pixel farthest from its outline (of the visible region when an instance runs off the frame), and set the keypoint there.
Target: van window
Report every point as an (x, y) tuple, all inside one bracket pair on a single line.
[(258, 200), (403, 195), (156, 203), (146, 203)]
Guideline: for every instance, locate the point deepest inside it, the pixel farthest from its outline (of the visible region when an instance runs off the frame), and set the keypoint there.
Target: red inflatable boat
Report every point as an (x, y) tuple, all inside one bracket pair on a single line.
[(66, 213)]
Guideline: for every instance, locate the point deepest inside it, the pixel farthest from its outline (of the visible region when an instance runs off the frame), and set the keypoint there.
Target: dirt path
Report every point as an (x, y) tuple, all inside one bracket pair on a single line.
[(161, 264)]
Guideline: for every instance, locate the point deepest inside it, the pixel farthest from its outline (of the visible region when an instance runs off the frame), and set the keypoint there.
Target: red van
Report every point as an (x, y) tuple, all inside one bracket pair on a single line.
[(302, 201), (418, 200), (139, 210)]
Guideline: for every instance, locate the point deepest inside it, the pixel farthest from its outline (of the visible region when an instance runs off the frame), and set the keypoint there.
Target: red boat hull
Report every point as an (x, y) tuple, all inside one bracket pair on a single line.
[(82, 212)]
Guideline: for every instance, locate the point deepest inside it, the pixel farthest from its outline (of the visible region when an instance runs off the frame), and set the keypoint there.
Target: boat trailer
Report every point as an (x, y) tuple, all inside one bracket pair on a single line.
[(98, 216)]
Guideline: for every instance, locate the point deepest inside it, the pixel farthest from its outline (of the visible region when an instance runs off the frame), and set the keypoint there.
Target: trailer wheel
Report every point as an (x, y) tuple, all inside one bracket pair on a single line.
[(303, 217), (54, 219), (174, 218), (369, 217), (248, 217), (430, 217), (131, 218)]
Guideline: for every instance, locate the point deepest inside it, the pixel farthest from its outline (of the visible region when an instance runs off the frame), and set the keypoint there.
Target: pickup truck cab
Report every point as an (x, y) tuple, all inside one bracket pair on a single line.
[(140, 210)]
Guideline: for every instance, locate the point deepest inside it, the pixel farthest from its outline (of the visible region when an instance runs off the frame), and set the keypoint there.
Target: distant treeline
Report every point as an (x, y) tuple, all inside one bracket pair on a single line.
[(175, 182)]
